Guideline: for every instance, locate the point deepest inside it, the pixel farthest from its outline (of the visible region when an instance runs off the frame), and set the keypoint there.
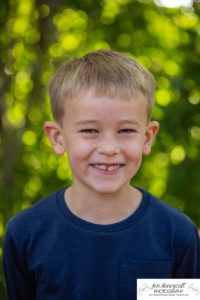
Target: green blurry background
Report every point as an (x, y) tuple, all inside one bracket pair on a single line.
[(38, 36)]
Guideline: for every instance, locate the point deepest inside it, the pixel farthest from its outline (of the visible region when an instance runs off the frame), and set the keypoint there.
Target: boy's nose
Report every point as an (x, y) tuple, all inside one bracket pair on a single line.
[(108, 147)]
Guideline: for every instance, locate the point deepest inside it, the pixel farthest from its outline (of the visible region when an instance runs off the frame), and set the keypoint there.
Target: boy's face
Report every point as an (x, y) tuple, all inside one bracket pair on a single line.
[(104, 139)]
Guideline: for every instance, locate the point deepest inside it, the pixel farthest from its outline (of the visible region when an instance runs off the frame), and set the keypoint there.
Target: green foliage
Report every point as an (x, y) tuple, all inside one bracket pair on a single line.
[(37, 36)]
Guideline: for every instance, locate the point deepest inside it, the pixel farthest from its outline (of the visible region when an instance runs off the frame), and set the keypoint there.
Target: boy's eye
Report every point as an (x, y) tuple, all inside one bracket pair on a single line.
[(89, 131), (127, 131)]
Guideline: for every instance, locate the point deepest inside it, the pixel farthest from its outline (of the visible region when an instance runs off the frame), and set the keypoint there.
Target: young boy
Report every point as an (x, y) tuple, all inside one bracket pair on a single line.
[(92, 240)]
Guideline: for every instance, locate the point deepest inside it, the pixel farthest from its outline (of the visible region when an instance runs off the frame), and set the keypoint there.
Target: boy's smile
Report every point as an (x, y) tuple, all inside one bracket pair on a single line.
[(108, 169), (105, 139)]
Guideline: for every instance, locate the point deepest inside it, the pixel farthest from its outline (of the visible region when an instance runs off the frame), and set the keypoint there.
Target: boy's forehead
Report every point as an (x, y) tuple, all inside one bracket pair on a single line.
[(91, 105), (93, 96)]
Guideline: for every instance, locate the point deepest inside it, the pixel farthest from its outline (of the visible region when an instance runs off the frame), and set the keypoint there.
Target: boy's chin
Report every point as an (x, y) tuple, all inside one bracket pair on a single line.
[(106, 189)]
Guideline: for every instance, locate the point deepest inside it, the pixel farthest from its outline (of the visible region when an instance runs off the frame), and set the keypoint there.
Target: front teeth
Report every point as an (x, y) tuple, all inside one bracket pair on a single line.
[(101, 167), (107, 168), (112, 168)]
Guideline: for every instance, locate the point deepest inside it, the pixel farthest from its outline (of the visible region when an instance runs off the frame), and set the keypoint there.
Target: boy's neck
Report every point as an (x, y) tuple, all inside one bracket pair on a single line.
[(103, 208)]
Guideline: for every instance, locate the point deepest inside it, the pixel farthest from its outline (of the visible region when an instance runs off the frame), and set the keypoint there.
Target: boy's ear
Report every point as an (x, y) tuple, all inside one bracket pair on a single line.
[(151, 132), (53, 132)]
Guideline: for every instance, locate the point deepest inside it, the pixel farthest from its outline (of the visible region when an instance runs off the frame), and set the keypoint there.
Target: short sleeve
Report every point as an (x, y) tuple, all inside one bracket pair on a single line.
[(18, 281), (188, 265)]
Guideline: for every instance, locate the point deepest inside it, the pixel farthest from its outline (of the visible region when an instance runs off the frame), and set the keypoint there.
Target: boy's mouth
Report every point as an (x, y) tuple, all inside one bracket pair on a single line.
[(107, 167)]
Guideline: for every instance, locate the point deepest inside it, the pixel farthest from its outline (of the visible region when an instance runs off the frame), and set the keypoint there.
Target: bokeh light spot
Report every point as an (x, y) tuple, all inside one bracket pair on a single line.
[(177, 154), (195, 133), (16, 115), (29, 138), (70, 42), (163, 97)]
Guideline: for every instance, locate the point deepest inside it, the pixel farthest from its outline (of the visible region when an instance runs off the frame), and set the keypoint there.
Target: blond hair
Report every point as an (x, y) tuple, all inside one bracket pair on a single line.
[(107, 72)]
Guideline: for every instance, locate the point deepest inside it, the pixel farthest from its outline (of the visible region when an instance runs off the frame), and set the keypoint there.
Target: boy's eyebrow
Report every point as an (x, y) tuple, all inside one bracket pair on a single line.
[(131, 122), (123, 122), (85, 122)]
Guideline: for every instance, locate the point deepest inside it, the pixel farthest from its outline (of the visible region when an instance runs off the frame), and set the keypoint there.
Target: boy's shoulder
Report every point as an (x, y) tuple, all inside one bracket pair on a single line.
[(165, 212), (171, 220), (39, 213)]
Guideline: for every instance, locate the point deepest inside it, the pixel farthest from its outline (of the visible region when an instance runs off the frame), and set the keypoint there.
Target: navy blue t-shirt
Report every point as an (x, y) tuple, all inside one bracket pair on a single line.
[(51, 254)]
